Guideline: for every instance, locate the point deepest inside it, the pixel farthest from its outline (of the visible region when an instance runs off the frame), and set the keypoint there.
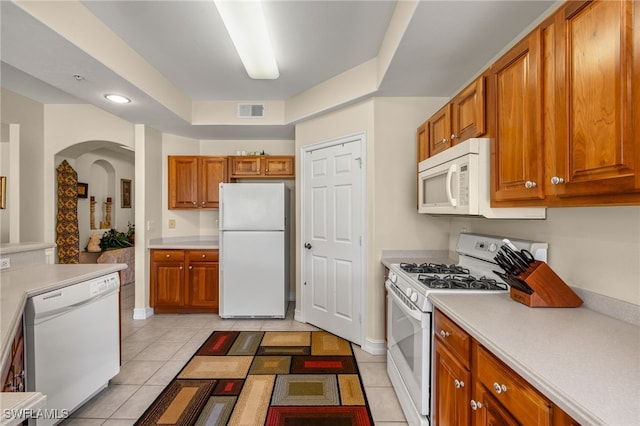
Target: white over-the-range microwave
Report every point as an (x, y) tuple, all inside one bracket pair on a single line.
[(456, 181)]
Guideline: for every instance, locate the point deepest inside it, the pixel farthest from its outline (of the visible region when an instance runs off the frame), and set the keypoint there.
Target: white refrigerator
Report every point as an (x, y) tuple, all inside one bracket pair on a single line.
[(254, 250)]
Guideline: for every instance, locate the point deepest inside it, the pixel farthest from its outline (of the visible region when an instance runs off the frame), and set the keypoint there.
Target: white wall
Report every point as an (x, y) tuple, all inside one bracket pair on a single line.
[(30, 116), (5, 170), (592, 248), (68, 125), (148, 213)]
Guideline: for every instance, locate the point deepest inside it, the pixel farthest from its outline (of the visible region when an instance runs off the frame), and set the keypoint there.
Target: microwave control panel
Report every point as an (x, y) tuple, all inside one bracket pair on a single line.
[(463, 185)]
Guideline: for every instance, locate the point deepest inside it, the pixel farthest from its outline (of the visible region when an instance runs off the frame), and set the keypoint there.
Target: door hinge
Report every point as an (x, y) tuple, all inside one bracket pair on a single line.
[(359, 160)]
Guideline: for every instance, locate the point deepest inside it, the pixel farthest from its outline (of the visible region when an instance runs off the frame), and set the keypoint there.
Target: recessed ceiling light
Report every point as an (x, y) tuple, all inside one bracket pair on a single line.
[(247, 27), (117, 99)]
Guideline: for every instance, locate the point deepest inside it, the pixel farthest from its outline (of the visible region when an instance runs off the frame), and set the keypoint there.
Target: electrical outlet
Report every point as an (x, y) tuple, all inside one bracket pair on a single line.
[(151, 225), (5, 263), (172, 223)]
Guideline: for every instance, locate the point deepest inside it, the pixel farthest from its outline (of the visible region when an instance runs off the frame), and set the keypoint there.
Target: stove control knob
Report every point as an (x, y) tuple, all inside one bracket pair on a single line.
[(493, 247), (414, 297), (393, 277), (408, 291)]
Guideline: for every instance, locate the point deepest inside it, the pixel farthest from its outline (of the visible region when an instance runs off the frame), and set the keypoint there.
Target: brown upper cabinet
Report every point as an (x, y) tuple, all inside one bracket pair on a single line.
[(423, 141), (440, 130), (469, 112), (261, 166), (462, 118), (566, 110), (594, 150), (194, 181), (518, 161)]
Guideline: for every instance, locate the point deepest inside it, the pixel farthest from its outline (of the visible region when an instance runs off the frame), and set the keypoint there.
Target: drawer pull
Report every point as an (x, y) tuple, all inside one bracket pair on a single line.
[(204, 256), (167, 256), (444, 334), (499, 388), (458, 383), (475, 405)]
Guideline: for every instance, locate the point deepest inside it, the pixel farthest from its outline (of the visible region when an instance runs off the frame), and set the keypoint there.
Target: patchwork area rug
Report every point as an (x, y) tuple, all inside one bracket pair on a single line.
[(278, 378)]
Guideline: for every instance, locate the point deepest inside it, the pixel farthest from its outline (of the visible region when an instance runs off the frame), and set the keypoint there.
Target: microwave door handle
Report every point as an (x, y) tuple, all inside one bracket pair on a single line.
[(450, 172)]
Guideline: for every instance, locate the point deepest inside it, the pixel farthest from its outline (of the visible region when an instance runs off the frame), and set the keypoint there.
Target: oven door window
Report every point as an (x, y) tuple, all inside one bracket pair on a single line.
[(409, 346)]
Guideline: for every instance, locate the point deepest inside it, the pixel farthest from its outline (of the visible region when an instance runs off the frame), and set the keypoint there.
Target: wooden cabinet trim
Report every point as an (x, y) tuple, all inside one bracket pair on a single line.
[(261, 166), (521, 399), (453, 337)]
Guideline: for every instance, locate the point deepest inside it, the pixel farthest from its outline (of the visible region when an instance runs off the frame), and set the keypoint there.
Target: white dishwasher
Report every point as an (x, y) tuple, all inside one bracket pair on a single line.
[(73, 344)]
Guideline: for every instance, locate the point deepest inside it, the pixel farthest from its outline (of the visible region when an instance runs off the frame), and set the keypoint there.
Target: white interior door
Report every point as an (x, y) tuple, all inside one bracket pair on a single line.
[(332, 237)]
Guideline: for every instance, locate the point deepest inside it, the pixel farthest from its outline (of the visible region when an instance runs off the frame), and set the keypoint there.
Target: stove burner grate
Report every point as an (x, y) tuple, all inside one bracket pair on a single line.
[(433, 268), (460, 282)]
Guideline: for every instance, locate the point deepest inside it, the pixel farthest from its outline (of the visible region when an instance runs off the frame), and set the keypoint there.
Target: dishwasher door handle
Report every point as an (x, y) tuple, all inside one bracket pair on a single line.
[(53, 313)]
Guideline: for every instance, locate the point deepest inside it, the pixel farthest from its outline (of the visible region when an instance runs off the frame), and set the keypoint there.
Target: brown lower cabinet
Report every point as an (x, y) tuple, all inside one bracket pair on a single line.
[(184, 281), (13, 369), (472, 386)]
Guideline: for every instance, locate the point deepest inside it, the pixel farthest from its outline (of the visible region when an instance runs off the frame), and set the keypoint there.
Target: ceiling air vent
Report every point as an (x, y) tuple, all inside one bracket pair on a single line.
[(250, 110)]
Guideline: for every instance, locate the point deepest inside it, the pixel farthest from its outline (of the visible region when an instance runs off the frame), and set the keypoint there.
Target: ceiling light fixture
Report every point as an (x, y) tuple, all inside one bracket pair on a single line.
[(247, 28), (117, 99)]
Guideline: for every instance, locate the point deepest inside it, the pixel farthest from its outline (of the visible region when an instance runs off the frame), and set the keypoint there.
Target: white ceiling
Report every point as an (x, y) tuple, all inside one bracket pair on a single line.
[(444, 45)]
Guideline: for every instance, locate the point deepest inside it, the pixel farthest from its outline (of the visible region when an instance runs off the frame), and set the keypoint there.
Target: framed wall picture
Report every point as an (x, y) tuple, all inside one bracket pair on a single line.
[(125, 191), (83, 190), (3, 192)]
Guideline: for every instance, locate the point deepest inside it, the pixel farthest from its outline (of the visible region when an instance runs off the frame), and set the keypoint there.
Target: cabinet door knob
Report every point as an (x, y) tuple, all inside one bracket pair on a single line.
[(530, 184), (454, 136), (190, 267), (499, 388), (308, 246), (444, 141), (195, 203), (556, 180), (181, 268), (475, 405), (458, 383), (444, 334)]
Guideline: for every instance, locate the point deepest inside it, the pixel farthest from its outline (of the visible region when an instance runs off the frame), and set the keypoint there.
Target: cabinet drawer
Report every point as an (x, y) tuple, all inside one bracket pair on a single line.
[(525, 403), (453, 337), (160, 255), (202, 255)]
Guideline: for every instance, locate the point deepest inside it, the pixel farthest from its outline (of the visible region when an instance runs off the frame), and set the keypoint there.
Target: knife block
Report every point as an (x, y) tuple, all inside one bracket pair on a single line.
[(549, 290)]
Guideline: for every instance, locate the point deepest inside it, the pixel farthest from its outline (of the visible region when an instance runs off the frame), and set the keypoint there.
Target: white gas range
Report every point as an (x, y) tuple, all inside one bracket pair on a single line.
[(409, 312)]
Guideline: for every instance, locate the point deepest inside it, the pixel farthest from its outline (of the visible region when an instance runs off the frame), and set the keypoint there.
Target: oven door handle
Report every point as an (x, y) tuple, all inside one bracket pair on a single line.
[(413, 313), (452, 169)]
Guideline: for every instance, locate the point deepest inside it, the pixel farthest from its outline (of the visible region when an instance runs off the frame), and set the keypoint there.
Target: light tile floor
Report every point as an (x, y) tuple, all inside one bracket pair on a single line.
[(155, 349)]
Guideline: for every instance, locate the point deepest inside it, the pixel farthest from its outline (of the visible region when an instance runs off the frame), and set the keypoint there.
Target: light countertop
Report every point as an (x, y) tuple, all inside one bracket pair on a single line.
[(585, 362), (184, 243), (22, 247), (16, 405)]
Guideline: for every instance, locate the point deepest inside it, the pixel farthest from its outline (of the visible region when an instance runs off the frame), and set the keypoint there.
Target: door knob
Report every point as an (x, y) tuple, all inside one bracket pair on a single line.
[(308, 246)]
